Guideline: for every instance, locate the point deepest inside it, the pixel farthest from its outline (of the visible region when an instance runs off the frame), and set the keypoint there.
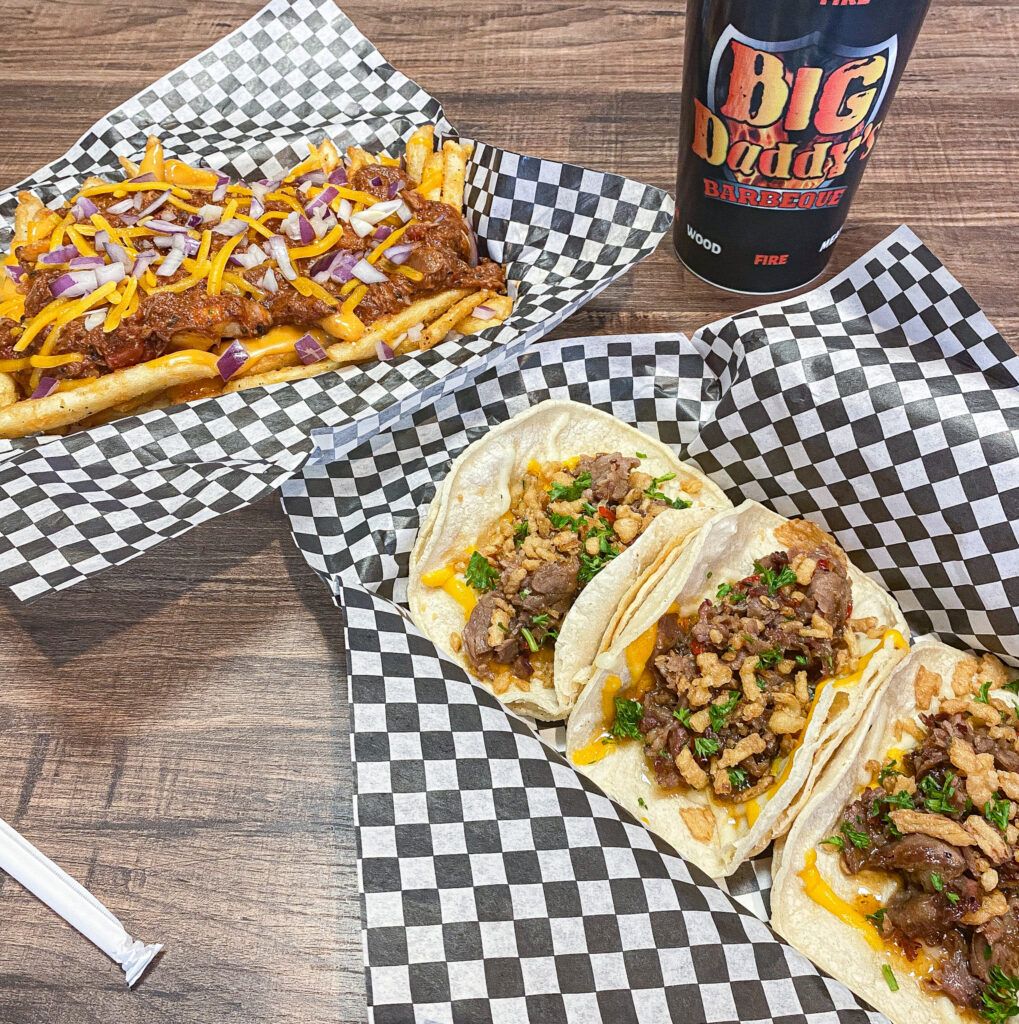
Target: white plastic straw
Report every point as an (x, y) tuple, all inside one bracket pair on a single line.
[(75, 904)]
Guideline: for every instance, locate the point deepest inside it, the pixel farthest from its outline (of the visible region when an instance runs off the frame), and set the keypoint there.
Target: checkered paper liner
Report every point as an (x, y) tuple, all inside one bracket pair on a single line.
[(72, 506), (498, 884)]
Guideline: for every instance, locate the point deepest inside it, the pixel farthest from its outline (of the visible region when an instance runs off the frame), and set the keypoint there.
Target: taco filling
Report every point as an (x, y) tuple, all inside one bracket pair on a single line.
[(940, 819), (728, 692), (566, 522)]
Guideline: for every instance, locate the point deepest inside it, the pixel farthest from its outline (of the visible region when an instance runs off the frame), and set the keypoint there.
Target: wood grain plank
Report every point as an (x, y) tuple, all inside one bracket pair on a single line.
[(175, 732)]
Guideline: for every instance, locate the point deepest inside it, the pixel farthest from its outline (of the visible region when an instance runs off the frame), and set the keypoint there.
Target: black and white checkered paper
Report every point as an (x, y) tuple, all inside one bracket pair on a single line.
[(498, 884), (72, 506)]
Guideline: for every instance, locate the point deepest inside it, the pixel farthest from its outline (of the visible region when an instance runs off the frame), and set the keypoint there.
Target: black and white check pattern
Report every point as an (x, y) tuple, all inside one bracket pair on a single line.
[(883, 406), (501, 886), (72, 506)]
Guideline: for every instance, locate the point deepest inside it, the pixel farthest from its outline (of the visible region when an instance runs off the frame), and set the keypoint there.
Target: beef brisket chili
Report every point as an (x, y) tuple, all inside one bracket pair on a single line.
[(178, 258), (941, 819), (566, 522), (727, 692)]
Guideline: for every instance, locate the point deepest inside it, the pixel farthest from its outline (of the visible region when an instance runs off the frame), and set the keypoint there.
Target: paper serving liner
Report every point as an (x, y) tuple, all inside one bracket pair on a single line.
[(882, 407), (72, 506)]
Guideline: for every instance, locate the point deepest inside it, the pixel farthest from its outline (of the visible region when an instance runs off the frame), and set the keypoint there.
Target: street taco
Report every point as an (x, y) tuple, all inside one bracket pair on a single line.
[(534, 537), (730, 680), (901, 875)]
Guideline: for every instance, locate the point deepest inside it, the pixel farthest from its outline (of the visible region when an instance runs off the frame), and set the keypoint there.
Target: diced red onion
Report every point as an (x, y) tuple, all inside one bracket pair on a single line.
[(290, 227), (163, 241), (142, 262), (268, 282), (307, 231), (277, 247), (365, 272), (171, 263), (95, 318), (380, 211), (17, 272), (395, 187), (231, 228), (254, 257), (342, 269), (399, 252), (74, 285), (484, 313), (305, 187), (320, 225), (324, 198), (85, 262), (101, 240), (118, 254), (64, 254), (83, 208), (403, 211), (309, 350), (232, 360), (210, 213), (166, 227), (312, 178), (128, 219), (375, 181), (219, 192), (383, 351), (194, 221), (257, 207), (155, 204), (109, 272), (346, 209), (415, 332), (46, 386), (382, 233), (147, 176), (137, 200), (338, 177), (124, 205)]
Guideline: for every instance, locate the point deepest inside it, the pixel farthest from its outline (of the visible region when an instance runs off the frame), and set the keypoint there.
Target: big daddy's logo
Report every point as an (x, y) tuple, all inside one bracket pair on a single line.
[(789, 116)]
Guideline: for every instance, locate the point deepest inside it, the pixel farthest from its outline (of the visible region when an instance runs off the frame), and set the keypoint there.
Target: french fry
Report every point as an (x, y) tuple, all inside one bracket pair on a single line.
[(444, 324), (8, 390), (64, 407), (280, 376), (433, 173), (391, 327), (454, 173), (419, 149), (357, 158), (503, 306), (271, 362)]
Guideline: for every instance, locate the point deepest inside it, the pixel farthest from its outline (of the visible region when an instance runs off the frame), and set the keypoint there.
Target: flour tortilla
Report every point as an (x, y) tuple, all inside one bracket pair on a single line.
[(834, 946), (476, 493), (723, 551)]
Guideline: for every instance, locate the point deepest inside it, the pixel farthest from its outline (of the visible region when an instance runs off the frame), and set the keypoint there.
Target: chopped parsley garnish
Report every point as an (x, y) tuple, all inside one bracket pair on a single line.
[(640, 800), (997, 812), (984, 697), (589, 508), (520, 532), (770, 658), (560, 522), (540, 620), (859, 839), (570, 492), (890, 977), (481, 574), (728, 591), (738, 778), (837, 841), (939, 886), (718, 713), (938, 799), (641, 455), (682, 715), (877, 919), (801, 659), (887, 771), (1012, 687), (773, 580), (705, 746), (900, 799), (591, 565), (655, 494), (998, 1000), (628, 716), (529, 637)]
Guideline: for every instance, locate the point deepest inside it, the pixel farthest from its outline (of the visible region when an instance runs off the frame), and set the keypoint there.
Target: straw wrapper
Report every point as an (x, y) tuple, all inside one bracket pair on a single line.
[(498, 884), (71, 507), (75, 904)]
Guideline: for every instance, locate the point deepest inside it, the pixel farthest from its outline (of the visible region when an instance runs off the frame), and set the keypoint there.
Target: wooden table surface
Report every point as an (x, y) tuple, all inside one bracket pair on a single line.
[(175, 733)]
